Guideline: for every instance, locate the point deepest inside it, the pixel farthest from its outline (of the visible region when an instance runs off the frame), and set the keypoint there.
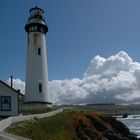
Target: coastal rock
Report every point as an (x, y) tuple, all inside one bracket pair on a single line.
[(125, 115), (94, 126)]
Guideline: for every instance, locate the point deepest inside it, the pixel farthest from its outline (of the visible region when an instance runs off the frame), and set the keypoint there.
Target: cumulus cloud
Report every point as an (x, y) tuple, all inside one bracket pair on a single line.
[(115, 79)]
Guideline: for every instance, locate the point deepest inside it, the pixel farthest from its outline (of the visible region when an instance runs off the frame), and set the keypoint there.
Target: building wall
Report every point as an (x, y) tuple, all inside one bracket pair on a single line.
[(6, 91)]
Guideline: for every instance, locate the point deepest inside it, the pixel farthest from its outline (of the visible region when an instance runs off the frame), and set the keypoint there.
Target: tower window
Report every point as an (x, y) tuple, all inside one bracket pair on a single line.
[(32, 28), (40, 87), (35, 28), (39, 51), (42, 30)]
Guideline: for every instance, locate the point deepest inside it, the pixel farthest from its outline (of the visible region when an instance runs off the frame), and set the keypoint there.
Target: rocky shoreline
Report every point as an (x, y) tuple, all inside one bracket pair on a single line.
[(94, 126)]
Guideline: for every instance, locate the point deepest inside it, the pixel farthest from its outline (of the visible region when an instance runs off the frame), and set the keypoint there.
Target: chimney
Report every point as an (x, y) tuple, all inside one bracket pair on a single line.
[(18, 90), (11, 81)]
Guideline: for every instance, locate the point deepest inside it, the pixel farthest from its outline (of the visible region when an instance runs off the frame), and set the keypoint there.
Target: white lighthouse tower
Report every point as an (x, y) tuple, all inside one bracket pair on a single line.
[(36, 91)]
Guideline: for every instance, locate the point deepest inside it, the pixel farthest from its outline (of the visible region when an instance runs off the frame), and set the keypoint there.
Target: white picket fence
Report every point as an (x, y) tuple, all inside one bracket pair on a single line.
[(7, 122)]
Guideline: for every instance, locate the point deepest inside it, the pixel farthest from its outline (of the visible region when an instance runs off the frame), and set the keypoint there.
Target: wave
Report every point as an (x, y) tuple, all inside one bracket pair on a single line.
[(133, 123)]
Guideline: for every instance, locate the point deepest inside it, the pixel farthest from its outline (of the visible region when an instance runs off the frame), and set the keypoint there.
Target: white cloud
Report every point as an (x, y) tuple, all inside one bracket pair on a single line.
[(115, 79)]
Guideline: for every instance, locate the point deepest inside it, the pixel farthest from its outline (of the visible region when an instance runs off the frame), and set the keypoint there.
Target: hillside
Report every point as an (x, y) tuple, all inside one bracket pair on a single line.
[(71, 125)]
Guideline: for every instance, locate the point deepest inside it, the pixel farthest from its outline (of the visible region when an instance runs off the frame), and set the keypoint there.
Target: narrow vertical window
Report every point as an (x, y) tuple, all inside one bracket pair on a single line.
[(39, 51), (41, 29), (35, 28), (40, 87), (32, 28)]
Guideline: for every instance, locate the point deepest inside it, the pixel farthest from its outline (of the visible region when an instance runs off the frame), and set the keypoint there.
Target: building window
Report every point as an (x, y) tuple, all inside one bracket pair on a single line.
[(39, 51), (40, 87), (5, 103)]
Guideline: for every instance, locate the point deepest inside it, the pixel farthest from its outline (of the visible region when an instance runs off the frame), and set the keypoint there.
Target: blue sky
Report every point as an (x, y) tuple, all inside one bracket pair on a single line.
[(78, 31)]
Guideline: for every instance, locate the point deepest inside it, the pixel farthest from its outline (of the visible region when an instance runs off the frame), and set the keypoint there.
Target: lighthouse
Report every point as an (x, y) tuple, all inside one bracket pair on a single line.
[(36, 90)]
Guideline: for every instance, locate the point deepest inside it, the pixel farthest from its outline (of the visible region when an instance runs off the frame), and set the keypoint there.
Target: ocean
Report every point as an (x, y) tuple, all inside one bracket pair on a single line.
[(133, 123)]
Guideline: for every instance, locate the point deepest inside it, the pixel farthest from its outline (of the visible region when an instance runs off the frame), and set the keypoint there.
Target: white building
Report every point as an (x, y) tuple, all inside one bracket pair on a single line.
[(9, 100), (36, 91)]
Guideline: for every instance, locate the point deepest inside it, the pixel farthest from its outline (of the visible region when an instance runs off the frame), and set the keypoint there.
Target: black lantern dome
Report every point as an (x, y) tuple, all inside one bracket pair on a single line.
[(36, 21)]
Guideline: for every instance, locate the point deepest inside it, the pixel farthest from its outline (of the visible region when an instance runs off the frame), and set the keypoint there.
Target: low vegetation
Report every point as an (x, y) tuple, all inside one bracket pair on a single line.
[(58, 127), (109, 109), (34, 111), (73, 125)]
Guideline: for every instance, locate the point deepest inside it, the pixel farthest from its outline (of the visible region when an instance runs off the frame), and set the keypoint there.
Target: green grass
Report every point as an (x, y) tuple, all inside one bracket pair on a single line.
[(58, 127), (110, 109), (34, 111)]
